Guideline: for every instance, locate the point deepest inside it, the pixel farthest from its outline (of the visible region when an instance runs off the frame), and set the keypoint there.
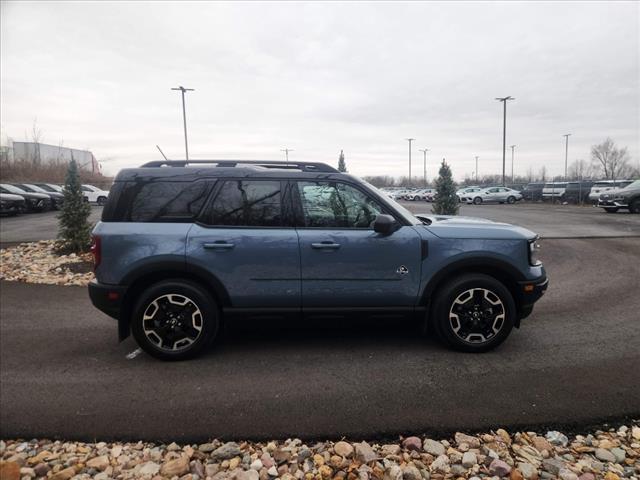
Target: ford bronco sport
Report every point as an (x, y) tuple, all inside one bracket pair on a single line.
[(183, 246)]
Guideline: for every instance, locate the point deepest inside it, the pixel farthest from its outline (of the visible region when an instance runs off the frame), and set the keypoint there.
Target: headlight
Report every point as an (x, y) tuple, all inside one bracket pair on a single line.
[(534, 248)]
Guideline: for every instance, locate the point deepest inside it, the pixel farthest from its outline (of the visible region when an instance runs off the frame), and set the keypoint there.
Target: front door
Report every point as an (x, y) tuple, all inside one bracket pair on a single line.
[(245, 242), (344, 263)]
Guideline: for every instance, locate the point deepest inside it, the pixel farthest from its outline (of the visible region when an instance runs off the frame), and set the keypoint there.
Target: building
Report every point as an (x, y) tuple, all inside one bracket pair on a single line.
[(43, 154)]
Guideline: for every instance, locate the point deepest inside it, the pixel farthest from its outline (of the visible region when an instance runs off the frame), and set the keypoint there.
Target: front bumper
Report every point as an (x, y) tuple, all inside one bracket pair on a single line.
[(530, 291), (611, 204)]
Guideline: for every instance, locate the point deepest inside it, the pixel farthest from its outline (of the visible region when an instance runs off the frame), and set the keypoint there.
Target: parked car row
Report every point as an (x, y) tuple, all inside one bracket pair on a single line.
[(586, 191), (16, 198), (410, 194), (478, 196), (627, 198)]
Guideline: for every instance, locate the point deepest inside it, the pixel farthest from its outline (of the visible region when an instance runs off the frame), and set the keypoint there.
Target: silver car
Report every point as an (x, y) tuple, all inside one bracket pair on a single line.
[(494, 195)]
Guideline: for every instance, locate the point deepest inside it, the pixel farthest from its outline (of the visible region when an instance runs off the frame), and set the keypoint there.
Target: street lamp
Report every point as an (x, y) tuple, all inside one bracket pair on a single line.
[(477, 168), (286, 152), (184, 118), (512, 147), (424, 151), (504, 101), (410, 140), (566, 153)]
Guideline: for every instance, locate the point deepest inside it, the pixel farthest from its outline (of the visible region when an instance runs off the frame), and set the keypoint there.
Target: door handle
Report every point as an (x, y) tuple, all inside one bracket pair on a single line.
[(219, 245), (325, 246)]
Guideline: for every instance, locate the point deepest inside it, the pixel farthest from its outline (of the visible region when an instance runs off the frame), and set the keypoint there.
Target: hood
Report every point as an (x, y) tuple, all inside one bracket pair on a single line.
[(11, 196), (447, 226)]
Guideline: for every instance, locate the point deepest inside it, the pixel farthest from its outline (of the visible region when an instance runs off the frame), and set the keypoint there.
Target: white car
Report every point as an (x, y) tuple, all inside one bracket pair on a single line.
[(602, 186), (463, 193), (416, 195), (494, 195), (94, 194), (554, 190)]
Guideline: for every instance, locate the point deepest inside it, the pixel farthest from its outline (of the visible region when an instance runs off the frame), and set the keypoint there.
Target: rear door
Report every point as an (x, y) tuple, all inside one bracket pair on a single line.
[(344, 263), (247, 242)]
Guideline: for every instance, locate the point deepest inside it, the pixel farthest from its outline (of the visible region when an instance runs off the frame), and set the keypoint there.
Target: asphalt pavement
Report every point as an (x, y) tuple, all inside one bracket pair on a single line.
[(574, 362)]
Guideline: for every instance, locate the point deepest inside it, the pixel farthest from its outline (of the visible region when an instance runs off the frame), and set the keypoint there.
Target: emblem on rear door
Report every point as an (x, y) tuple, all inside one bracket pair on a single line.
[(402, 270)]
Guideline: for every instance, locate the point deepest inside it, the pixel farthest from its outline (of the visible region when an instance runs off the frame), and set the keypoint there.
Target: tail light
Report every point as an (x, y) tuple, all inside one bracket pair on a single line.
[(96, 251)]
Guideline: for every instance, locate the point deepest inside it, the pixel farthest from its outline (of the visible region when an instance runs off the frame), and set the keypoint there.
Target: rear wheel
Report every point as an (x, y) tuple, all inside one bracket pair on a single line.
[(477, 201), (634, 206), (474, 313), (511, 200), (102, 201), (175, 320)]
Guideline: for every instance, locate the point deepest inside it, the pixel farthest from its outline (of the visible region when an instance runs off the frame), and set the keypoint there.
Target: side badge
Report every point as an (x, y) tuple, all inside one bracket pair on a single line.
[(402, 270)]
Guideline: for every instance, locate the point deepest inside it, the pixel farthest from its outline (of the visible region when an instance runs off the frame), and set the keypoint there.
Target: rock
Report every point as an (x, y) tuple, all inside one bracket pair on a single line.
[(256, 465), (587, 476), (619, 454), (566, 474), (529, 472), (433, 448), (226, 451), (10, 470), (99, 463), (461, 438), (516, 475), (149, 468), (390, 449), (557, 438), (410, 472), (273, 471), (101, 476), (65, 474), (267, 461), (469, 459), (234, 463), (440, 464), (499, 468), (343, 449), (552, 465), (281, 456), (211, 469), (116, 451), (635, 432), (206, 447), (364, 453), (172, 447), (541, 444), (611, 476), (605, 455), (458, 470), (198, 469), (41, 469), (392, 473), (412, 443), (178, 466), (504, 436)]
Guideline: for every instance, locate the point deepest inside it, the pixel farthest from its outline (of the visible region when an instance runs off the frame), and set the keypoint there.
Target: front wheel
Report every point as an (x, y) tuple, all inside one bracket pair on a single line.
[(477, 201), (611, 210), (474, 313), (175, 320), (511, 200)]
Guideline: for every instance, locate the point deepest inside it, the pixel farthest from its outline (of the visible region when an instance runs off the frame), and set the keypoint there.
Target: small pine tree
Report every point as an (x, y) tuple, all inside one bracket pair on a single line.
[(74, 230), (446, 200), (342, 166)]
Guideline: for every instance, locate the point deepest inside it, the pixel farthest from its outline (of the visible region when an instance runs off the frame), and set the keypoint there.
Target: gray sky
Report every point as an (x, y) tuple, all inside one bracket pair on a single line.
[(323, 77)]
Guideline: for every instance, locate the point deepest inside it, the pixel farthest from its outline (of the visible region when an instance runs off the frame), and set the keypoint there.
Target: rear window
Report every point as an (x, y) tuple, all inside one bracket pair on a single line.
[(156, 201)]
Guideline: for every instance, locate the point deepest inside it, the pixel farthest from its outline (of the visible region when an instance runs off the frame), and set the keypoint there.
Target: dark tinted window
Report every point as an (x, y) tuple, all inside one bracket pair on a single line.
[(156, 201), (247, 203), (336, 205)]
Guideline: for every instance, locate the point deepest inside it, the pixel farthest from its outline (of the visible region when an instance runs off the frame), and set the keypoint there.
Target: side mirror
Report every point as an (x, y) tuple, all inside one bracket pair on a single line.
[(385, 224)]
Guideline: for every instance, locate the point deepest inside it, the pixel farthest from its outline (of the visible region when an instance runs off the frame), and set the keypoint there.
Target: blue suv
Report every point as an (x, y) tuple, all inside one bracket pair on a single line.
[(183, 246)]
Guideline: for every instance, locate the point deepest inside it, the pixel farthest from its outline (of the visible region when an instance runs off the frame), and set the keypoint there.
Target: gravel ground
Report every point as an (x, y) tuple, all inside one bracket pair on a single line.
[(612, 455), (37, 262)]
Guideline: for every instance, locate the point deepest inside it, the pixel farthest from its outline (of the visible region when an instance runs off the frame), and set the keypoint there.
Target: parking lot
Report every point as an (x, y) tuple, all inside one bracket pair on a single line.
[(65, 374)]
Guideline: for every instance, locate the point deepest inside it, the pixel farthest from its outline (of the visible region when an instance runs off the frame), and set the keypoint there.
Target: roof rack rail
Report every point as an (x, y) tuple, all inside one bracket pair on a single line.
[(304, 166)]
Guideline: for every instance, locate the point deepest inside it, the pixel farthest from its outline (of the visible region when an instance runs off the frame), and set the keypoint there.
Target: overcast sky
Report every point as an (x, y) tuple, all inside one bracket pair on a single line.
[(322, 77)]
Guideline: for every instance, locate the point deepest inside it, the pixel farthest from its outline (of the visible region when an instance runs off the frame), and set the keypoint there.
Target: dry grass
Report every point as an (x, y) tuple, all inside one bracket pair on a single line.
[(23, 171)]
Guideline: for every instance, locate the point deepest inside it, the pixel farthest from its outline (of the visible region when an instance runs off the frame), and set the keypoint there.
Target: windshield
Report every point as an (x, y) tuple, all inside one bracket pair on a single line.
[(34, 188), (47, 188), (12, 189)]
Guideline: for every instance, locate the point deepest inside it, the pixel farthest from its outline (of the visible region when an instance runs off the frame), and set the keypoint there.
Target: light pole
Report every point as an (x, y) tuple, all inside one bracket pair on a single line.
[(504, 101), (424, 151), (566, 153), (184, 118), (512, 147), (286, 152), (477, 168), (410, 140)]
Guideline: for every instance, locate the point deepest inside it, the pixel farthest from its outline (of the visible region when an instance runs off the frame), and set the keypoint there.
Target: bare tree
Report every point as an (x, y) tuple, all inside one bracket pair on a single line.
[(609, 159), (579, 169), (543, 173)]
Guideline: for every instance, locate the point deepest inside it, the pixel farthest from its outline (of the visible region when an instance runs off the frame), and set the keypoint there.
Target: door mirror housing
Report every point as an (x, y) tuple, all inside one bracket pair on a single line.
[(385, 224)]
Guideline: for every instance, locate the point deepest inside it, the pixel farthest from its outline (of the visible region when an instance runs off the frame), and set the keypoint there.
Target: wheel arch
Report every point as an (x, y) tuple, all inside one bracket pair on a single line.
[(501, 270)]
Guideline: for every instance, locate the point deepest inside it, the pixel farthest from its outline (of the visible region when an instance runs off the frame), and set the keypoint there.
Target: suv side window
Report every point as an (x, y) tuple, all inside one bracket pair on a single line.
[(248, 203), (336, 205)]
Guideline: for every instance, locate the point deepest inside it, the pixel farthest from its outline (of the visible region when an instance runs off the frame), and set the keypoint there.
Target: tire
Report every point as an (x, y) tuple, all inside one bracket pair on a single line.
[(511, 200), (611, 209), (162, 303), (634, 206), (489, 310), (102, 201), (477, 201)]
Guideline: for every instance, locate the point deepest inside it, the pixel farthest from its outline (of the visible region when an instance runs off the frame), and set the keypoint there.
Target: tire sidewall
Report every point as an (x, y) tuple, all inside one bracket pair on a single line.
[(511, 200), (450, 292), (207, 306), (477, 201)]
